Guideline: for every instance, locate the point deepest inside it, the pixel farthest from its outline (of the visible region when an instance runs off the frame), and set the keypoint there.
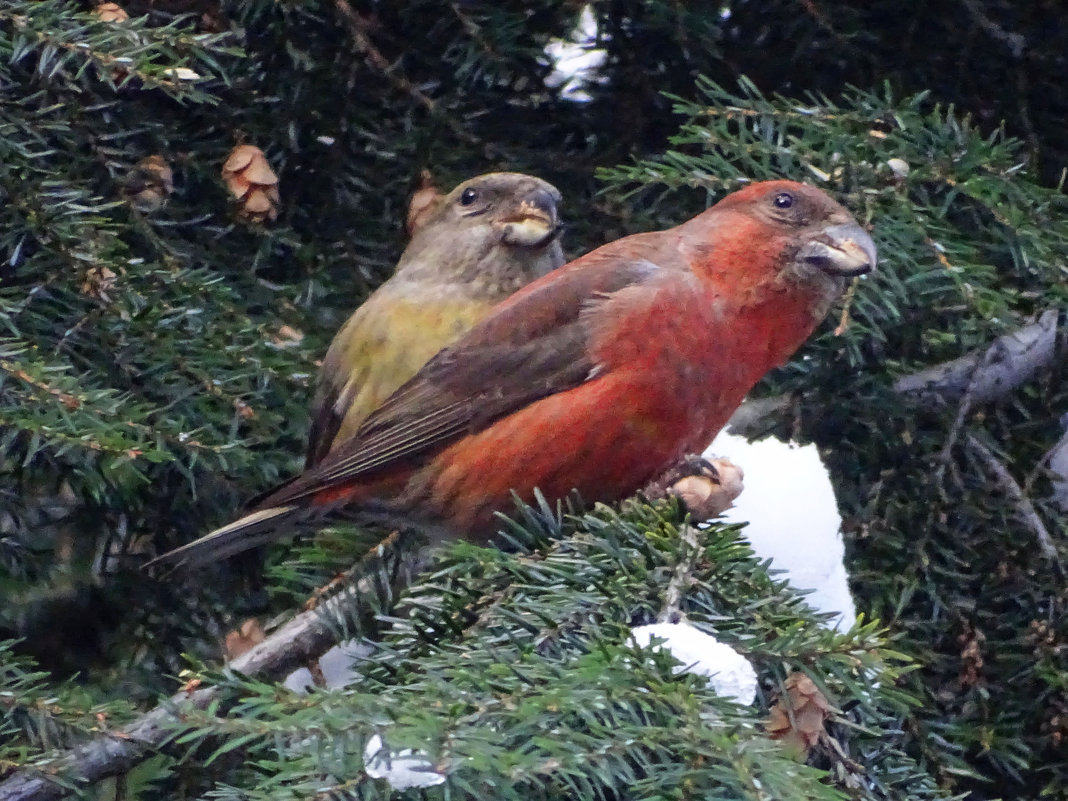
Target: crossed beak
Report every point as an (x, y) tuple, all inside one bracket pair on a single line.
[(841, 250), (533, 222)]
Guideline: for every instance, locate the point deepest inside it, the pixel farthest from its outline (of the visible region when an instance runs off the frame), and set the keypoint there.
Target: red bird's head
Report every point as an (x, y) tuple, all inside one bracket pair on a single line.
[(788, 235)]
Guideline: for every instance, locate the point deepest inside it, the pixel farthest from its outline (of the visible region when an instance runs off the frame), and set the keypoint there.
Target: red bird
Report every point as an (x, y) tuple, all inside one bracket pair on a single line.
[(596, 377)]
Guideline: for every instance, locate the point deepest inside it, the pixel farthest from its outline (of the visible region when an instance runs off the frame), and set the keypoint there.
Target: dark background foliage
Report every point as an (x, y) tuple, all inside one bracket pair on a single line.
[(135, 415)]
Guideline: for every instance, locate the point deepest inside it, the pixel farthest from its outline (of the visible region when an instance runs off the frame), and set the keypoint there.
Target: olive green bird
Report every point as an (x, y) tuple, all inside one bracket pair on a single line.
[(473, 247)]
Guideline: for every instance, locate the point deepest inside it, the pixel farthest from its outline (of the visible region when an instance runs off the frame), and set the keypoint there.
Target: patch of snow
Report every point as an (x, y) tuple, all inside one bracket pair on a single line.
[(789, 503), (576, 60), (402, 769), (336, 666), (728, 672), (337, 663), (299, 681)]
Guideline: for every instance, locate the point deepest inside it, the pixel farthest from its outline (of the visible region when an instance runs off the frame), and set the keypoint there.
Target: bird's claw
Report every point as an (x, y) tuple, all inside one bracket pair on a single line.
[(705, 487), (692, 464)]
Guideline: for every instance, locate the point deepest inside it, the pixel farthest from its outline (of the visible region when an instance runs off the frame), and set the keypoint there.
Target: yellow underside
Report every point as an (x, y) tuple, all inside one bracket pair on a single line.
[(384, 344)]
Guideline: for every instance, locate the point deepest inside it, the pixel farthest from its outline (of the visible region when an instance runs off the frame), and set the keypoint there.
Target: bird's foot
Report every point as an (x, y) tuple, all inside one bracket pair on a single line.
[(706, 487)]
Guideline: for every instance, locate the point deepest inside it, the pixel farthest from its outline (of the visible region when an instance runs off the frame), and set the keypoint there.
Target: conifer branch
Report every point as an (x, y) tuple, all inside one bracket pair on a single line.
[(304, 638), (682, 575), (1015, 42), (357, 29), (993, 372)]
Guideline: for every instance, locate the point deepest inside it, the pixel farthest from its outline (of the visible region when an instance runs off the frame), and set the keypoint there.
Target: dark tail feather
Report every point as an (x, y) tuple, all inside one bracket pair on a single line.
[(243, 534)]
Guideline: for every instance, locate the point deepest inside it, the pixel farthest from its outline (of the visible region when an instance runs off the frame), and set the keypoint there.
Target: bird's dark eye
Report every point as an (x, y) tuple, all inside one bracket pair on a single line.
[(468, 197), (784, 200)]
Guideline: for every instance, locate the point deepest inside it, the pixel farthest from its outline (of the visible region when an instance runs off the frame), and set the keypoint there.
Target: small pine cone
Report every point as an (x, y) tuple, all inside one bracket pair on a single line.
[(111, 12), (149, 184), (98, 282), (423, 202), (252, 181), (798, 716), (249, 635), (286, 337), (213, 21), (971, 657)]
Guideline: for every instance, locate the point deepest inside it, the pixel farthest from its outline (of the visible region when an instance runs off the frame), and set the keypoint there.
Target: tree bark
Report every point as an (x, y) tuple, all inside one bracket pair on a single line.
[(989, 374)]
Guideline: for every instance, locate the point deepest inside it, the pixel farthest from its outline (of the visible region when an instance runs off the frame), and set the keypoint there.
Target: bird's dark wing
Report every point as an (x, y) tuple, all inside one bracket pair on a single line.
[(324, 424)]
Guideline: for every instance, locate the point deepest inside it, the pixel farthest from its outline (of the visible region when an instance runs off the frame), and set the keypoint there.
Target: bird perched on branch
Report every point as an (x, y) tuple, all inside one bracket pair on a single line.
[(469, 250), (595, 378)]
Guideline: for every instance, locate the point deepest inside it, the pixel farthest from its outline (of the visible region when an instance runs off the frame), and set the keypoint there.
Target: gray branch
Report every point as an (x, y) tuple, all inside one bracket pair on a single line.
[(985, 375), (1016, 42), (106, 755), (304, 638), (1025, 510), (1058, 466), (682, 576), (994, 372)]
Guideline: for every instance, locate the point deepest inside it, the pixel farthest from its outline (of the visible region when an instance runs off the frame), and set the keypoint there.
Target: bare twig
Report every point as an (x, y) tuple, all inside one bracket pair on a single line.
[(1018, 357), (945, 456), (1016, 43), (1023, 110), (473, 30), (357, 28), (1056, 460), (753, 417), (847, 304), (821, 18), (671, 611), (1008, 362), (984, 375), (1014, 492)]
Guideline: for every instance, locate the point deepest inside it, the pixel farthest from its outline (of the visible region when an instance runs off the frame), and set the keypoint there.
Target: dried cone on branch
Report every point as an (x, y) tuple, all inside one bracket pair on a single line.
[(98, 283), (707, 488), (114, 14), (423, 202), (706, 495), (243, 639), (252, 181), (798, 716), (111, 12), (149, 184)]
